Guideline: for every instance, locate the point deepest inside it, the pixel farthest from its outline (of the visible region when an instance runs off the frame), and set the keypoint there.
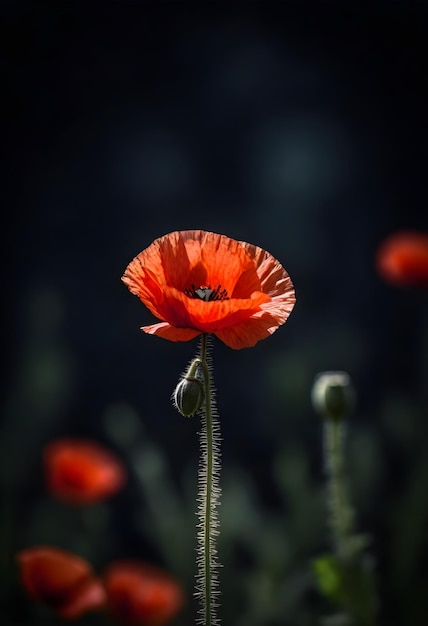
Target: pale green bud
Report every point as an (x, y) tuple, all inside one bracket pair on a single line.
[(333, 395)]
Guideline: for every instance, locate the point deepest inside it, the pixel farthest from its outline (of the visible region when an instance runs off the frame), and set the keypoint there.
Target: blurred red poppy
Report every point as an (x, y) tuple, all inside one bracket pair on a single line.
[(81, 471), (61, 580), (402, 259), (201, 282), (141, 595)]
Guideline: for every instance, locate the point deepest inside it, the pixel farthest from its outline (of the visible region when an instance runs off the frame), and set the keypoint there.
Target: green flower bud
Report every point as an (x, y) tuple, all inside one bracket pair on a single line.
[(333, 395), (189, 393)]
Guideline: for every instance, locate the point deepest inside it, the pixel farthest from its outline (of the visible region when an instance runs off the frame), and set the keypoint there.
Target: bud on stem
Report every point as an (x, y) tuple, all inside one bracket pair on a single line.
[(188, 396), (333, 395)]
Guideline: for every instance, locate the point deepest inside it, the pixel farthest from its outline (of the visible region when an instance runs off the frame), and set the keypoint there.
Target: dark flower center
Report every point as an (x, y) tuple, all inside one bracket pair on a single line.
[(206, 293)]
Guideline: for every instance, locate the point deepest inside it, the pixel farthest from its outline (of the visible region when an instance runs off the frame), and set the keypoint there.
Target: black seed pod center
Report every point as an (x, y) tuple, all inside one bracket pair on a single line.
[(206, 293)]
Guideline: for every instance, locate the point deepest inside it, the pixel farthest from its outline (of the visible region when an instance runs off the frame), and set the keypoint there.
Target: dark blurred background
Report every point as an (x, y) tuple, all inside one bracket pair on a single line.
[(299, 127)]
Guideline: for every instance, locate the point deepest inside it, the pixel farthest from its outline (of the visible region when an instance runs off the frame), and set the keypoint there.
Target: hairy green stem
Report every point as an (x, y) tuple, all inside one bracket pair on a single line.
[(208, 497)]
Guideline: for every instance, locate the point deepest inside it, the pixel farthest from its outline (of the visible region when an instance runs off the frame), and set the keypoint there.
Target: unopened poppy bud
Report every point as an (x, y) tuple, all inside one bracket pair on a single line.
[(333, 395), (189, 393)]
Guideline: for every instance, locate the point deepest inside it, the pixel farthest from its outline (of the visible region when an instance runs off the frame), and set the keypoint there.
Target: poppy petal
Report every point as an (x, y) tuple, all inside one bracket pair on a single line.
[(61, 580), (274, 280), (167, 331), (47, 571), (248, 333), (81, 471), (90, 596), (224, 260), (402, 259), (140, 594)]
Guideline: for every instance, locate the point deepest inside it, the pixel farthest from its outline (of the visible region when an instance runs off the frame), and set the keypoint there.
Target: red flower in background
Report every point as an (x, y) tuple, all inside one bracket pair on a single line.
[(402, 259), (62, 580), (81, 472), (201, 282), (141, 595)]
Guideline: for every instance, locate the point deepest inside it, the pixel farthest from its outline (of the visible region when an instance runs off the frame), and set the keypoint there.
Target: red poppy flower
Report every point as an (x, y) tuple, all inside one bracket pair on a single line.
[(200, 282), (62, 580), (402, 259), (81, 472), (141, 595)]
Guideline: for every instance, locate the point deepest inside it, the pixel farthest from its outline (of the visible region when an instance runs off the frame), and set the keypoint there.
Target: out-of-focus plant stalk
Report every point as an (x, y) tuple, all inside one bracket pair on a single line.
[(341, 514), (333, 398), (343, 576)]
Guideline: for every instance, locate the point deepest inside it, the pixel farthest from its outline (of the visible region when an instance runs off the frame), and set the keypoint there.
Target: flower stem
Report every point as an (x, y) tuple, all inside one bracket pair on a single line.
[(341, 513), (208, 497)]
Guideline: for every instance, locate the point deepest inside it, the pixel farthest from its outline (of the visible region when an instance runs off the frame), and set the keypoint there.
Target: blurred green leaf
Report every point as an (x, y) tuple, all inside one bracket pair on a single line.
[(329, 577), (349, 586)]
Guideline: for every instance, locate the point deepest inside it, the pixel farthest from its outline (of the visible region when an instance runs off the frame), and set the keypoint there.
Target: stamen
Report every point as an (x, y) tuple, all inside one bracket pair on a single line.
[(205, 293)]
